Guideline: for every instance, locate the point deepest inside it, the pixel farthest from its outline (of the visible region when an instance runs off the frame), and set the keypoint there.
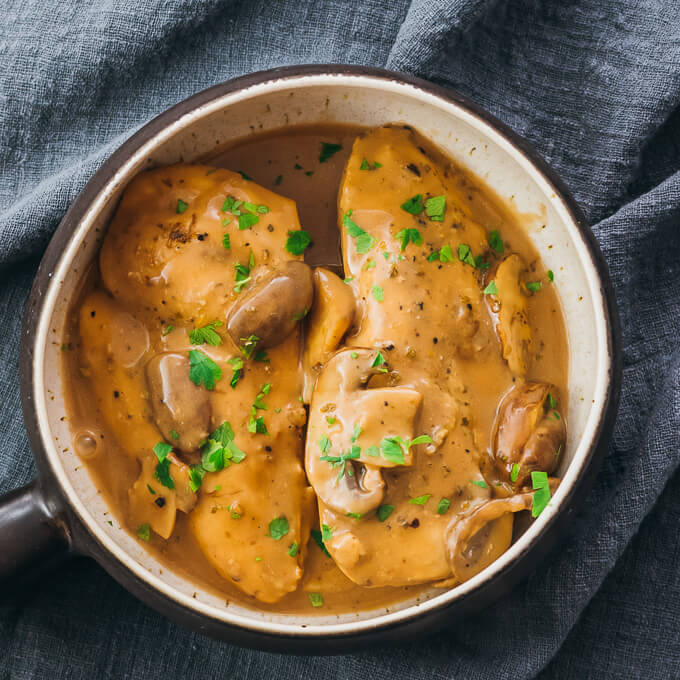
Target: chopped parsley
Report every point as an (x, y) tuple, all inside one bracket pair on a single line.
[(533, 286), (167, 330), (433, 256), (420, 500), (384, 511), (356, 432), (379, 360), (348, 279), (298, 241), (162, 451), (261, 355), (326, 533), (414, 205), (162, 472), (243, 273), (206, 334), (174, 434), (203, 370), (446, 254), (278, 528), (144, 532), (394, 448), (409, 236), (324, 444), (249, 344), (181, 206), (355, 515), (365, 165), (236, 364), (278, 180), (293, 550), (226, 241), (372, 451), (443, 506), (496, 242), (256, 423), (220, 450), (551, 276), (316, 536), (539, 482), (435, 208), (491, 289), (340, 461), (354, 355), (479, 482), (551, 401), (196, 474), (247, 220), (330, 420), (328, 149), (514, 473), (465, 254), (378, 293), (316, 599), (151, 489), (363, 240), (246, 177)]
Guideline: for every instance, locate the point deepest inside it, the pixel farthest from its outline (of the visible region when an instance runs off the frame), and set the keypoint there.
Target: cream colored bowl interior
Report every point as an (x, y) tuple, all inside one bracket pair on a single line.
[(362, 100)]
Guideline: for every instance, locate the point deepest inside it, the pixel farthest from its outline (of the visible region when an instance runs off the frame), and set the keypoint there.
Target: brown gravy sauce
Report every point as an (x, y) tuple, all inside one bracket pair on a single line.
[(287, 163)]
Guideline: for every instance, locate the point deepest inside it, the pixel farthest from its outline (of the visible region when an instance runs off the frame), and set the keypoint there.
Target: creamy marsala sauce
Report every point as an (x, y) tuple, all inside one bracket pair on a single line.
[(320, 427)]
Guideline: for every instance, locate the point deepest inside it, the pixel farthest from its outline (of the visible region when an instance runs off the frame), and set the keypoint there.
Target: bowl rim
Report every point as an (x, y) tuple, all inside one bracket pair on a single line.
[(40, 307)]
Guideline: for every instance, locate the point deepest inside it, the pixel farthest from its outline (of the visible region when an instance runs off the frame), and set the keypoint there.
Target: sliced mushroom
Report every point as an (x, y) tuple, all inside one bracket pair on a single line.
[(181, 409), (348, 422), (273, 306), (331, 316), (530, 433), (510, 304)]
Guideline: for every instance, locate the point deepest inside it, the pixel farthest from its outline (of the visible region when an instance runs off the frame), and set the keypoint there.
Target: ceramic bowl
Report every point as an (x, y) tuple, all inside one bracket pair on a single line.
[(63, 510)]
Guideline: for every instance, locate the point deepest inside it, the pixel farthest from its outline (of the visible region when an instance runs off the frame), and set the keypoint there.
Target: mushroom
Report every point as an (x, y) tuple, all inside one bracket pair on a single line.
[(510, 305), (331, 316), (530, 432), (349, 424), (181, 409), (476, 539), (273, 306)]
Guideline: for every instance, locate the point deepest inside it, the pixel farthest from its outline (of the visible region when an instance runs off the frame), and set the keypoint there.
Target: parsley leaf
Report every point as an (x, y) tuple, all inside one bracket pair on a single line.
[(533, 286), (378, 293), (327, 150), (167, 330), (409, 236), (196, 474), (226, 241), (203, 370), (316, 536), (414, 205), (355, 515), (278, 180), (514, 473), (496, 242), (326, 533), (392, 451), (293, 550), (491, 289), (363, 240), (384, 511), (246, 177), (236, 364), (479, 482), (162, 451), (278, 528), (435, 208), (298, 241), (465, 254), (551, 276), (379, 360), (206, 334), (433, 256), (316, 599), (325, 444), (248, 345), (247, 220), (420, 500), (445, 254), (144, 532), (221, 450), (162, 474), (365, 165), (181, 206), (539, 482), (443, 505)]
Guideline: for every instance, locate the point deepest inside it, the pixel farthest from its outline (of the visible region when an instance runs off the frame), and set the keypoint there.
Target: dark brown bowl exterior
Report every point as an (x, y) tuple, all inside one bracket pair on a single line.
[(47, 505)]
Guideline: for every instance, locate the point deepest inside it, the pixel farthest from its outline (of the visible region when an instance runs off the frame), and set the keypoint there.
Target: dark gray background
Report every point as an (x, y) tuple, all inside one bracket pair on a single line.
[(594, 84)]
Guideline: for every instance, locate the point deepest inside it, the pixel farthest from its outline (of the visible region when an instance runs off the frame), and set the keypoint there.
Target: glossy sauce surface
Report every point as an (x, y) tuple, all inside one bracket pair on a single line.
[(443, 370)]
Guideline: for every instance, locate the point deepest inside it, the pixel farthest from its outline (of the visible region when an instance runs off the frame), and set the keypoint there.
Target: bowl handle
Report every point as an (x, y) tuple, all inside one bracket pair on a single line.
[(31, 534)]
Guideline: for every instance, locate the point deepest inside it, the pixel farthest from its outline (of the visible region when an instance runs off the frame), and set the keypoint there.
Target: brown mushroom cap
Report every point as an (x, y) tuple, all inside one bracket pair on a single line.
[(272, 307)]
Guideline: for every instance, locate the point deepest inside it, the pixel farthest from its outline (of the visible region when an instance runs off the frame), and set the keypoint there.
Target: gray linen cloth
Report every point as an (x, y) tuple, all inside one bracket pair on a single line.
[(594, 84)]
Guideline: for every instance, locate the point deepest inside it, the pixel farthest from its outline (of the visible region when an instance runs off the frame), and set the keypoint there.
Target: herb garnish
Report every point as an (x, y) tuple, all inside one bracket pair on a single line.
[(409, 236), (539, 482), (340, 461), (206, 334), (379, 360), (533, 286), (293, 550), (248, 346), (167, 330), (236, 364), (446, 254), (220, 450), (226, 241), (363, 240), (298, 241), (316, 599), (278, 528), (365, 165), (384, 511), (328, 149), (394, 448), (491, 289), (181, 206), (174, 434), (551, 276), (162, 472), (514, 473), (378, 293), (256, 423), (443, 505), (479, 482), (496, 242), (414, 205), (420, 500), (316, 536), (465, 254), (203, 370), (435, 208), (326, 533), (144, 532), (243, 273)]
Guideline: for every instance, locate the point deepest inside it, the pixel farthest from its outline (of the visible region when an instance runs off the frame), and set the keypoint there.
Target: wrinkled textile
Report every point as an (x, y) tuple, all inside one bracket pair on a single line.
[(593, 84)]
